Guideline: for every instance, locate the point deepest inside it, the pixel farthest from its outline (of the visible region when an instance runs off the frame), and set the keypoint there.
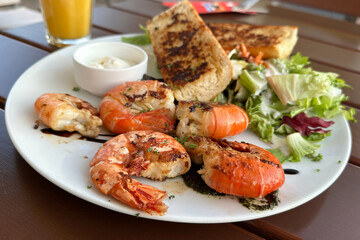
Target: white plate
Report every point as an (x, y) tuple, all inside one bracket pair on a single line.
[(65, 162)]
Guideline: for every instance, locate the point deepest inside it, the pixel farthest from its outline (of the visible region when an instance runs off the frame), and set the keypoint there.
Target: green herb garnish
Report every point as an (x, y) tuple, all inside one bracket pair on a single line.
[(192, 145), (153, 150), (181, 140), (146, 110)]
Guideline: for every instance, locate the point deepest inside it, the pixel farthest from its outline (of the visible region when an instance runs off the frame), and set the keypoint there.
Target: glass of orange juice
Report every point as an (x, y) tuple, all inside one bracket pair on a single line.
[(67, 22)]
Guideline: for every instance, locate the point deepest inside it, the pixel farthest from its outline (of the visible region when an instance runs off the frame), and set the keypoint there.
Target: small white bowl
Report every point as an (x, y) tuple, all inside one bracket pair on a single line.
[(99, 81)]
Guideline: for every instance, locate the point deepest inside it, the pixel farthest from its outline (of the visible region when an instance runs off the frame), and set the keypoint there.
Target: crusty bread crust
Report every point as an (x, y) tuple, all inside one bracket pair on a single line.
[(273, 41), (188, 55)]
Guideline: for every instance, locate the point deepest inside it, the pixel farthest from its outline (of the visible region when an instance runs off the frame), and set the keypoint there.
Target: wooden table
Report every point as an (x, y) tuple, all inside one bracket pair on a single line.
[(33, 208)]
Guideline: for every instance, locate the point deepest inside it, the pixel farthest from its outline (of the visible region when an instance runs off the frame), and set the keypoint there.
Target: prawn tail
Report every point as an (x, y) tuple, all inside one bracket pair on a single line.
[(140, 196)]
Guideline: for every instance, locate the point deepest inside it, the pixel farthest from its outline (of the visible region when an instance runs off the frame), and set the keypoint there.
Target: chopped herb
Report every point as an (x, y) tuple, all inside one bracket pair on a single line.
[(165, 141), (129, 89), (153, 150), (88, 187), (339, 161), (137, 215), (147, 110), (175, 87), (166, 125), (193, 69), (187, 79), (260, 204), (181, 140), (317, 158), (318, 170), (76, 89), (192, 145), (168, 66), (171, 197)]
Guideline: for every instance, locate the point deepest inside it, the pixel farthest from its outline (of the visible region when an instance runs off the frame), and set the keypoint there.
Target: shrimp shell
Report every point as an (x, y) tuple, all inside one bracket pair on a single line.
[(148, 154), (235, 168), (140, 105), (65, 112), (212, 120)]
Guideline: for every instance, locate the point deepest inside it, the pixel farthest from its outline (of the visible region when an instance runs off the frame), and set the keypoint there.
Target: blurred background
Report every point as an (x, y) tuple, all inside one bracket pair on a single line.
[(16, 13)]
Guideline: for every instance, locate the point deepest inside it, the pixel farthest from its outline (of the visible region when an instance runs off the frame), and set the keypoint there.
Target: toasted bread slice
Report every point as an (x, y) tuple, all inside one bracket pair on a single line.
[(188, 55), (273, 41)]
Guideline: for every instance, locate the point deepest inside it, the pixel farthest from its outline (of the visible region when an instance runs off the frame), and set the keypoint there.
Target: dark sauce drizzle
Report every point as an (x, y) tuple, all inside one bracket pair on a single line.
[(291, 171), (57, 133), (69, 134)]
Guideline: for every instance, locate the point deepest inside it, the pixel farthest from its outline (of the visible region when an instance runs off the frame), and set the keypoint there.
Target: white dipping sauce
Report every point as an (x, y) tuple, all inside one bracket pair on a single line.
[(111, 63)]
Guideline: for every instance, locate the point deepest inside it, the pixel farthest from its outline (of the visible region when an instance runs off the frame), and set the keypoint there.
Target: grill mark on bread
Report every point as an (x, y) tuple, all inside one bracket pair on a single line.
[(188, 74), (273, 41), (247, 33), (176, 20), (183, 50)]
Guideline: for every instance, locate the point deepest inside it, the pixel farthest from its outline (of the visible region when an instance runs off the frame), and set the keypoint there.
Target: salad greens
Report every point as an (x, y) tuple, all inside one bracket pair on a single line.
[(142, 39), (286, 102)]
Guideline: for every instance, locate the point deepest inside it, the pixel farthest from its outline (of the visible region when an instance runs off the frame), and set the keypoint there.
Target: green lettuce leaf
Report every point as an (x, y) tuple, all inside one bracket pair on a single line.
[(254, 81), (143, 39), (293, 87), (301, 147), (262, 121)]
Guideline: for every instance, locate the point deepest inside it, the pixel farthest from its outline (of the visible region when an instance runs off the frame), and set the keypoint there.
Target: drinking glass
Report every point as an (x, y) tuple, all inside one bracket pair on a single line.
[(67, 22)]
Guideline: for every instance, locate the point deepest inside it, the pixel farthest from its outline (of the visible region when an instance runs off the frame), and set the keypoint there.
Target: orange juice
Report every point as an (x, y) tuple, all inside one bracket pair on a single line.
[(67, 19)]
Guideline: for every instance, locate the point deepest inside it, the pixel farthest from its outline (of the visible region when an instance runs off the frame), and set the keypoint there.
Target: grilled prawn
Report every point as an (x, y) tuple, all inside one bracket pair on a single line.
[(212, 120), (148, 154), (64, 112), (141, 105), (235, 168)]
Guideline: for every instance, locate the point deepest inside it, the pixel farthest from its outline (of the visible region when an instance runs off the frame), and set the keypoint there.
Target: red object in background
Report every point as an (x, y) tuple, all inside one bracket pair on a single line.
[(203, 7)]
